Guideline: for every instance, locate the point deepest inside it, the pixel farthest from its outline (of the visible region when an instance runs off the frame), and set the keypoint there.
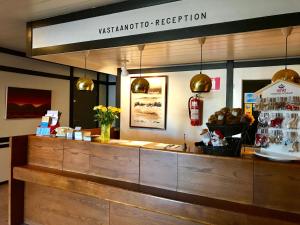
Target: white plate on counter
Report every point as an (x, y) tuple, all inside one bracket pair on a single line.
[(275, 156)]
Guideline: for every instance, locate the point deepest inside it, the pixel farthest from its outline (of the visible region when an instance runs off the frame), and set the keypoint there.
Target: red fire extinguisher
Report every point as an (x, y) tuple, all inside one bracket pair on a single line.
[(196, 110)]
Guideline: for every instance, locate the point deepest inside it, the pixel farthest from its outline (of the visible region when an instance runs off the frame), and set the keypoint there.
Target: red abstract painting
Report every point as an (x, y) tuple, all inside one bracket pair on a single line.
[(27, 103)]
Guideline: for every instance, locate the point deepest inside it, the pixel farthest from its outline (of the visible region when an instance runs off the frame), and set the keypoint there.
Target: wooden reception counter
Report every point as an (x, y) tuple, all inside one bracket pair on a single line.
[(59, 182)]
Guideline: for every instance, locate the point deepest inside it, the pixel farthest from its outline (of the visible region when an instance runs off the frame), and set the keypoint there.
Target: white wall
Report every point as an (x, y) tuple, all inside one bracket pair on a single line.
[(30, 64), (59, 88), (60, 99), (177, 112), (253, 73)]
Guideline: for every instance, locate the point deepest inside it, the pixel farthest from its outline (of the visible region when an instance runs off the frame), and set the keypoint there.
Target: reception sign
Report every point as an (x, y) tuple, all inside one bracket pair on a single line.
[(163, 17)]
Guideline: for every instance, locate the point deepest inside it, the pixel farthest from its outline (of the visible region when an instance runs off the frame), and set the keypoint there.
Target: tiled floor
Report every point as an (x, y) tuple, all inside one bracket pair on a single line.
[(3, 204)]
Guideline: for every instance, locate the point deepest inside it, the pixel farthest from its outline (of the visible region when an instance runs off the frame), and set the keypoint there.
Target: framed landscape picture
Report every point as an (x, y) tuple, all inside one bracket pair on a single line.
[(150, 110), (27, 103)]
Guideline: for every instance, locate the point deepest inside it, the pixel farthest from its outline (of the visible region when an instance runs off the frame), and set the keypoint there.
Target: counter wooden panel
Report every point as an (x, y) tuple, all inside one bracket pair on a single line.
[(217, 177), (112, 161), (181, 206), (255, 220), (158, 169), (277, 185), (189, 187), (76, 156), (50, 206), (130, 198), (45, 151), (125, 215)]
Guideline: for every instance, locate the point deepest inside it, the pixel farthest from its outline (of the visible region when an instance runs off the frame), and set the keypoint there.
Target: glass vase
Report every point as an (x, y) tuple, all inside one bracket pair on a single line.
[(105, 133)]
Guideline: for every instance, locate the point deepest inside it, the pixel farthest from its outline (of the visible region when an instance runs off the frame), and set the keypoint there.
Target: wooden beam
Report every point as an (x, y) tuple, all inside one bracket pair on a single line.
[(16, 187)]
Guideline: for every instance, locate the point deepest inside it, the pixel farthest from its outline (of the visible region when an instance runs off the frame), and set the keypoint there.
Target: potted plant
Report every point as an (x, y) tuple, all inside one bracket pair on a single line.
[(106, 116)]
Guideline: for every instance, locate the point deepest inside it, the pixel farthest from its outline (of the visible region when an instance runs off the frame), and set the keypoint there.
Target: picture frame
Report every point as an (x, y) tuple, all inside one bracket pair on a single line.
[(26, 103), (150, 110)]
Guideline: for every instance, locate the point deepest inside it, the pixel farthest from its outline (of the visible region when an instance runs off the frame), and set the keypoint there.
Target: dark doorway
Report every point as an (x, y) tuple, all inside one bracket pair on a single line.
[(84, 101), (251, 86)]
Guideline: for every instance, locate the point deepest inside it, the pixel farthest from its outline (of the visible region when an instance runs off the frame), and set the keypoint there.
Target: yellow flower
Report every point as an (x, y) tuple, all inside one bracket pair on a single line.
[(111, 109), (97, 107)]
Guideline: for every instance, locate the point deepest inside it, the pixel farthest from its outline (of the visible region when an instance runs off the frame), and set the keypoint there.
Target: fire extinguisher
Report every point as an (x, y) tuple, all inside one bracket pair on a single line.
[(196, 110)]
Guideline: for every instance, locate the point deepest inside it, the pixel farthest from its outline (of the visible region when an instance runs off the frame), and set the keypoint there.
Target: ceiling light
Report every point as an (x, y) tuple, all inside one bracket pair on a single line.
[(200, 82), (140, 84), (85, 83), (286, 74), (124, 71)]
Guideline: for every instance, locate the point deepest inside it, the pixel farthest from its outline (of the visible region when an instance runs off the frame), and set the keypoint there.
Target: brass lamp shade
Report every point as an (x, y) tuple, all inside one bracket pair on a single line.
[(139, 85), (85, 84), (200, 83), (287, 75)]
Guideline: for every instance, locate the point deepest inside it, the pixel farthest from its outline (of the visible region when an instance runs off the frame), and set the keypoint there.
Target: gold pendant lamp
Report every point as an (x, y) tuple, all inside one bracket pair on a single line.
[(286, 74), (200, 82), (85, 83), (140, 84)]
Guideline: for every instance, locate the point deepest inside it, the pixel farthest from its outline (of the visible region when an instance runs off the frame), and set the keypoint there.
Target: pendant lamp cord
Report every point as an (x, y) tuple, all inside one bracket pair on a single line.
[(201, 59), (141, 54), (85, 66), (286, 51)]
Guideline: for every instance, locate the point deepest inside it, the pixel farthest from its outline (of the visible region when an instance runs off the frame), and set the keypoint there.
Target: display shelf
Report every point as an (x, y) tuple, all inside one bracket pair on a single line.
[(288, 146), (282, 111), (283, 129)]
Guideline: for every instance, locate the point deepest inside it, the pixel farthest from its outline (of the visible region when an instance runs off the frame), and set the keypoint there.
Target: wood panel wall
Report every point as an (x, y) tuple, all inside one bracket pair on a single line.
[(46, 152), (223, 178), (158, 169), (111, 161), (68, 199), (277, 185), (261, 183), (190, 173), (46, 205), (118, 162), (124, 215)]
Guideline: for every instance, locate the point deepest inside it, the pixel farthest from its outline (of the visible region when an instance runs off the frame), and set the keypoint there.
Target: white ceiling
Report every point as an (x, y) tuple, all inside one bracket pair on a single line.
[(262, 44), (15, 13)]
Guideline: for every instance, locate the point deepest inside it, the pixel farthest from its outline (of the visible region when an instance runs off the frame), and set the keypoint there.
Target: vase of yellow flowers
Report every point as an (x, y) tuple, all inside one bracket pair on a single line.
[(106, 116)]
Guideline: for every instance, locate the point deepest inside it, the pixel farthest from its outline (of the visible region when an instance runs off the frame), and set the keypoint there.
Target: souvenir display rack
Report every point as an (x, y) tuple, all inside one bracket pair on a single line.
[(278, 134)]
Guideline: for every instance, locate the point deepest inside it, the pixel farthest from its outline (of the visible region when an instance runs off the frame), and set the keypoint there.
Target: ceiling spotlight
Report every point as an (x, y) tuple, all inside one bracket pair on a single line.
[(124, 71)]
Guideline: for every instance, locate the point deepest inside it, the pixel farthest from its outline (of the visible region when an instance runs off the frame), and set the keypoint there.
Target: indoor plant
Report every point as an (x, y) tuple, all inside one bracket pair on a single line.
[(106, 116)]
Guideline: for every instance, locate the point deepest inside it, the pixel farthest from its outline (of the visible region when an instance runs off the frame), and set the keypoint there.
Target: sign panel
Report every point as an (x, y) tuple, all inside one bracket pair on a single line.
[(163, 17), (249, 98), (215, 83), (281, 89), (248, 108)]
